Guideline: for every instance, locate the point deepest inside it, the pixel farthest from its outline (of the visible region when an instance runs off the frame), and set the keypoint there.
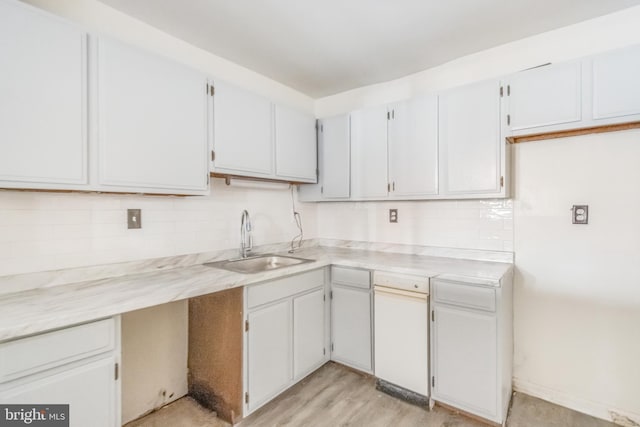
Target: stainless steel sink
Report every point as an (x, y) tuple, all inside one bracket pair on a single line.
[(258, 264)]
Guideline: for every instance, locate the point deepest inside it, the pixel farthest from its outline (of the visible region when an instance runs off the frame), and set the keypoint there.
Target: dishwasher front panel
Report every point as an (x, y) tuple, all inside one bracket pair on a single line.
[(402, 339)]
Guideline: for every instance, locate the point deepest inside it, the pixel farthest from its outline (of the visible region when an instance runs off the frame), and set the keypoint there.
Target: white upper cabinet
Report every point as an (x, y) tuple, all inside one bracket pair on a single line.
[(413, 147), (296, 151), (334, 161), (545, 99), (615, 85), (243, 138), (369, 153), (152, 121), (470, 144), (43, 100)]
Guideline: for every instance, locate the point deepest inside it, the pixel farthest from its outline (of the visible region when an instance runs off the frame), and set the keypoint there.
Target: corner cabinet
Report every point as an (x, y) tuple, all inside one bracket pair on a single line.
[(471, 147), (255, 138), (62, 366), (472, 319), (153, 118), (334, 162), (43, 127), (286, 334)]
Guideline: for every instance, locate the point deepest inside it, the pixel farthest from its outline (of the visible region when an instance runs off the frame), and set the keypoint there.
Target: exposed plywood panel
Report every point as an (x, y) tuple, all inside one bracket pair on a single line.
[(215, 352), (573, 132)]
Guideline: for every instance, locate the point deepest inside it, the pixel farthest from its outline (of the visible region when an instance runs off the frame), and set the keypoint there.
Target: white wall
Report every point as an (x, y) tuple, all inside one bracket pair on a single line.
[(154, 358), (577, 303), (577, 300)]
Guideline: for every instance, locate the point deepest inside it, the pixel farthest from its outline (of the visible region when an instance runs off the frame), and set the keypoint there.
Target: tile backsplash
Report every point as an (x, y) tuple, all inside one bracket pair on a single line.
[(468, 224), (50, 231)]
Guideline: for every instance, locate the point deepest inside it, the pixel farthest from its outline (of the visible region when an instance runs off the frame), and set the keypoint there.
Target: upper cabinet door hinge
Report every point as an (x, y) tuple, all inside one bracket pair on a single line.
[(213, 155), (388, 115), (116, 372), (393, 114), (330, 294), (433, 315), (212, 90), (246, 397), (501, 91), (508, 90), (246, 326), (508, 119), (501, 181)]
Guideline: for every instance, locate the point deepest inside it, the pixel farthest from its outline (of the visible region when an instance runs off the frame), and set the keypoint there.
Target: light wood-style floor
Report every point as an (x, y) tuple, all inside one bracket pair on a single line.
[(338, 396)]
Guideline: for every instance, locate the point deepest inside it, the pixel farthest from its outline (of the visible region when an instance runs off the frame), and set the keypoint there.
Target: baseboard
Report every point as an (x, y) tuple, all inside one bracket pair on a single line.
[(595, 409)]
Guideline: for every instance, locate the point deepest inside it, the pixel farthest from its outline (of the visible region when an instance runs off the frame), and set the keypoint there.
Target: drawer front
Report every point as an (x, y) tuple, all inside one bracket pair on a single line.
[(408, 282), (283, 288), (470, 296), (37, 353), (351, 277)]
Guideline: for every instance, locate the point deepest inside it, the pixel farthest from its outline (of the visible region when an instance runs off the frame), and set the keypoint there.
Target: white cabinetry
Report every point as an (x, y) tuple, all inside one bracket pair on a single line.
[(369, 153), (43, 100), (351, 320), (472, 160), (413, 147), (243, 137), (60, 367), (615, 86), (308, 332), (269, 349), (544, 99), (296, 149), (334, 161), (286, 334), (152, 120), (472, 347)]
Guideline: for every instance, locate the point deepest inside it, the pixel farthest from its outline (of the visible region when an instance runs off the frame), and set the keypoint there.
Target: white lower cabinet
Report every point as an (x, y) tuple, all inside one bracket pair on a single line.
[(472, 347), (308, 332), (285, 336), (78, 366), (351, 320), (269, 349)]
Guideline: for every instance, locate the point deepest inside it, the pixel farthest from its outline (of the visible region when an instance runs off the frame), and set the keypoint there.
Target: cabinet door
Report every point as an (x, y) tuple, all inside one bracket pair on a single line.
[(334, 161), (43, 95), (152, 121), (464, 360), (89, 389), (243, 136), (470, 143), (616, 89), (335, 164), (548, 96), (351, 327), (296, 150), (308, 333), (413, 147), (369, 153), (268, 352)]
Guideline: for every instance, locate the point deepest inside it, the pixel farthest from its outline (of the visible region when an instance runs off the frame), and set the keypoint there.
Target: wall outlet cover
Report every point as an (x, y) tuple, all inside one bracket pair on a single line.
[(134, 218)]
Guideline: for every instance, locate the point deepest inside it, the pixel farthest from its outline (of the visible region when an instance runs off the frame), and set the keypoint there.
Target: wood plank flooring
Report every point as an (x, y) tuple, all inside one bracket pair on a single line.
[(336, 396)]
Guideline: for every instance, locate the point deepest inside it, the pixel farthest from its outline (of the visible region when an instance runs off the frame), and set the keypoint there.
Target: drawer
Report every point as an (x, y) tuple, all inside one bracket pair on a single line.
[(351, 277), (26, 356), (283, 288), (471, 296)]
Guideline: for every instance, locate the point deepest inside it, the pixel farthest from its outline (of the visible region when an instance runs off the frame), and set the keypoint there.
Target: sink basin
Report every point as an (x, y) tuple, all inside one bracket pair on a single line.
[(258, 264)]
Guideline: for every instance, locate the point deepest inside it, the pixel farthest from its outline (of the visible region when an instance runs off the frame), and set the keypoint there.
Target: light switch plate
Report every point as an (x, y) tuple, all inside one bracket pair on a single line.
[(580, 214), (134, 218)]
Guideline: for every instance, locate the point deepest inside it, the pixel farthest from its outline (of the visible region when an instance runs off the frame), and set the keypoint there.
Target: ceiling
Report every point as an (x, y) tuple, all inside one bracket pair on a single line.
[(329, 46)]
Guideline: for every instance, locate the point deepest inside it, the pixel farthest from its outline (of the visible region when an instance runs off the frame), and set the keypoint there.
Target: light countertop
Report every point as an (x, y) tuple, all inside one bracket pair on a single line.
[(55, 305)]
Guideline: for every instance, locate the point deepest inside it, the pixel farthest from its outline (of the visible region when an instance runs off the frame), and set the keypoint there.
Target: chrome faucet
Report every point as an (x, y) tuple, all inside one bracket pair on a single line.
[(246, 241)]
